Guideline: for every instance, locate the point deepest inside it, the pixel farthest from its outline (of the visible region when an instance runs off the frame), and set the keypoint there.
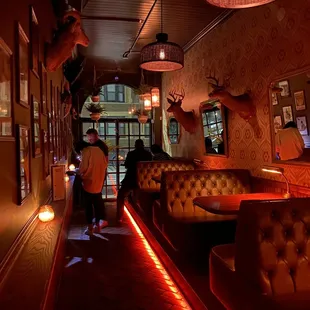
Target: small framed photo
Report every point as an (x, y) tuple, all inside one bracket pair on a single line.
[(34, 43), (300, 103), (43, 86), (277, 123), (36, 130), (22, 68), (302, 125), (285, 88), (287, 114), (274, 99)]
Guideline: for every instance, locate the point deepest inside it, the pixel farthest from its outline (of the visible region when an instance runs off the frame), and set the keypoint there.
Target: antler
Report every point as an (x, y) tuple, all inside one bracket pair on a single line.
[(177, 97), (213, 78)]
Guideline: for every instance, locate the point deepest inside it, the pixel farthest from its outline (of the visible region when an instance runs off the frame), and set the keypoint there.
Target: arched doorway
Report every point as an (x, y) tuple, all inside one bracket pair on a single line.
[(119, 129)]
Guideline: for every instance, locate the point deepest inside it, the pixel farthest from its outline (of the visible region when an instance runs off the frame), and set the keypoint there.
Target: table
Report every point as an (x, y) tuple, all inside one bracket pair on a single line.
[(230, 204), (157, 178)]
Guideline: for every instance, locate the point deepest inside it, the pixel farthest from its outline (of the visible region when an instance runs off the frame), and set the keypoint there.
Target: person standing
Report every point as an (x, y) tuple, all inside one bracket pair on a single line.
[(158, 153), (93, 139), (92, 171), (129, 182)]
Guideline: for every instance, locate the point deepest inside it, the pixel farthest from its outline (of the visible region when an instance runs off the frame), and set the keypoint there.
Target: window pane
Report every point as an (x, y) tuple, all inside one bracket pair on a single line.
[(111, 129), (211, 117), (173, 139), (147, 142), (101, 129), (111, 88), (111, 96), (121, 97), (218, 115), (134, 128)]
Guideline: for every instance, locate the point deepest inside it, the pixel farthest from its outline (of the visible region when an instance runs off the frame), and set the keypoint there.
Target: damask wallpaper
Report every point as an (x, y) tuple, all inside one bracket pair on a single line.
[(251, 49)]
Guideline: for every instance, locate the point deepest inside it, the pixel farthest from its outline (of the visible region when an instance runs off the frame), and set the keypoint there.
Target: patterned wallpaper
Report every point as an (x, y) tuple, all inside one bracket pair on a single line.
[(254, 47)]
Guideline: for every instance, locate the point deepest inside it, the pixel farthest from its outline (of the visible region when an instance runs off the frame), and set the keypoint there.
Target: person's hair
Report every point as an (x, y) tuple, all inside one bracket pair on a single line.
[(290, 124), (80, 145), (155, 149), (139, 144), (92, 131), (208, 142)]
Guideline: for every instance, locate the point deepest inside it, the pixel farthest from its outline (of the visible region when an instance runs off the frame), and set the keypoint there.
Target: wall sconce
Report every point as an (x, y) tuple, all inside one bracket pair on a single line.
[(155, 97), (278, 170), (147, 102), (46, 213), (71, 167)]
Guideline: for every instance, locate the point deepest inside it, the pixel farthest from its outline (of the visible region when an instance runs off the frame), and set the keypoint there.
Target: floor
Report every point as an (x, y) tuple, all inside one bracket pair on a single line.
[(114, 270)]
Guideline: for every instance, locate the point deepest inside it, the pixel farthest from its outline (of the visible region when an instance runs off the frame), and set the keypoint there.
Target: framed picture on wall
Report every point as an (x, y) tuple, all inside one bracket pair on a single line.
[(34, 42), (285, 88), (6, 65), (300, 103), (302, 125), (277, 123), (22, 68), (43, 86), (23, 163), (35, 122), (287, 114), (274, 99), (46, 153)]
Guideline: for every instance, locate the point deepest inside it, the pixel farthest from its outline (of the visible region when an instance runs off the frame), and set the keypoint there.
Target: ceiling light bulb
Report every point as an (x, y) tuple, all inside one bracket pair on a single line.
[(162, 54)]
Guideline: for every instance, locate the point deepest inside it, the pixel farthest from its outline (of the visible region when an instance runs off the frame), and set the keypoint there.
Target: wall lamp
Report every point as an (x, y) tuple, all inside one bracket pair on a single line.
[(278, 170)]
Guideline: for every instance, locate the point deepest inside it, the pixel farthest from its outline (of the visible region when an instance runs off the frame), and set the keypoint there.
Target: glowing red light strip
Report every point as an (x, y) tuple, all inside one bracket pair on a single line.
[(171, 285)]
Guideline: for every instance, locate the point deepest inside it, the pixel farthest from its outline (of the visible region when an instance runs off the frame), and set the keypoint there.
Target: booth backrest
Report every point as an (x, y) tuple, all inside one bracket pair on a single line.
[(148, 169), (273, 245), (179, 188)]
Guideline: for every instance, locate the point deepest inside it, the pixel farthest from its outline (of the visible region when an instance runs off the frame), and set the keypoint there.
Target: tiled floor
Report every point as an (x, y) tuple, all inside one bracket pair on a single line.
[(113, 271)]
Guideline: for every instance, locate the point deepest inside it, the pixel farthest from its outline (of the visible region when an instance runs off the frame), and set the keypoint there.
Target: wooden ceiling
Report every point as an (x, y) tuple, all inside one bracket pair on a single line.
[(112, 27)]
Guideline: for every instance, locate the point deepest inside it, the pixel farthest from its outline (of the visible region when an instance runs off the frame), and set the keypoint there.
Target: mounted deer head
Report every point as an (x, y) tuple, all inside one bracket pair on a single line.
[(186, 119), (241, 104), (65, 40)]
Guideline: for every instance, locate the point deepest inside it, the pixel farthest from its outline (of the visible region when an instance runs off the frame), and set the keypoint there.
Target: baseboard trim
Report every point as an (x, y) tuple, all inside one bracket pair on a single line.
[(16, 248)]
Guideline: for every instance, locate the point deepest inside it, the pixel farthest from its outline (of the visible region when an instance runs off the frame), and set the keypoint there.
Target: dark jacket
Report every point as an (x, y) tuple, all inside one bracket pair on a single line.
[(131, 161), (104, 148)]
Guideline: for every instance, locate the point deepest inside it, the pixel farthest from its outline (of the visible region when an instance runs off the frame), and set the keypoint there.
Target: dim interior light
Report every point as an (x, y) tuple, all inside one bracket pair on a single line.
[(171, 285), (67, 179), (155, 97), (46, 213), (147, 100), (71, 167)]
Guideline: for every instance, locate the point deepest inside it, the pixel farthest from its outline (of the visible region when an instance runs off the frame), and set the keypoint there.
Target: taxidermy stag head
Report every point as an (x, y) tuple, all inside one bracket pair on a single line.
[(66, 38), (241, 104), (186, 119)]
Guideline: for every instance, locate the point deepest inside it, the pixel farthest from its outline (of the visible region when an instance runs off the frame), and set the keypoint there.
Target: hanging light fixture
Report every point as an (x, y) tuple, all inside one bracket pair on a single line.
[(155, 97), (162, 56), (238, 4), (147, 100)]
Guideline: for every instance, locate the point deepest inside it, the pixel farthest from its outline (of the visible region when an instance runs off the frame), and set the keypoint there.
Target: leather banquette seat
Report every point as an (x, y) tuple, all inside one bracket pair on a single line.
[(268, 266), (148, 189), (175, 214)]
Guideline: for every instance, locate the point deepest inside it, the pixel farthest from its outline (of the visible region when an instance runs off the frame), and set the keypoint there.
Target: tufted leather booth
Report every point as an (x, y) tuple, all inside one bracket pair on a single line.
[(178, 189), (148, 189), (268, 267)]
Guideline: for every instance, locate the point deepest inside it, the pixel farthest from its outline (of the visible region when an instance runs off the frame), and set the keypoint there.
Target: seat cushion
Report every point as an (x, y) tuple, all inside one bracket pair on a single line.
[(201, 217)]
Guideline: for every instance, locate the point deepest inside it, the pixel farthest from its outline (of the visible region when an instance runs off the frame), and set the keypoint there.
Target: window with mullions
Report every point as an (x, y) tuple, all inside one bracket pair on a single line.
[(114, 93), (212, 126)]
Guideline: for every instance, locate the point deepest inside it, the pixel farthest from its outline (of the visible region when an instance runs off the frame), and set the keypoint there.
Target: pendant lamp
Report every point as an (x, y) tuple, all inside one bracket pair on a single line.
[(162, 56), (238, 4)]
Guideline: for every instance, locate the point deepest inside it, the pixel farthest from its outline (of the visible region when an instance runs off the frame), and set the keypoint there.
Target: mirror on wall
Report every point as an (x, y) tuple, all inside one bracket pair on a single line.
[(213, 116), (290, 116), (174, 131)]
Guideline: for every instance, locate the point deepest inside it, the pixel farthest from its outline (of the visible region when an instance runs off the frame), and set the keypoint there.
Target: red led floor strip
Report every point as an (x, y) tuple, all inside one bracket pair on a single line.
[(170, 284)]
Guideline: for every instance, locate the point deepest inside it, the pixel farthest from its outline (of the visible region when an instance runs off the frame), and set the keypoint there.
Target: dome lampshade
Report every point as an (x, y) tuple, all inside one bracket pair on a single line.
[(155, 98), (162, 56), (238, 4), (147, 102)]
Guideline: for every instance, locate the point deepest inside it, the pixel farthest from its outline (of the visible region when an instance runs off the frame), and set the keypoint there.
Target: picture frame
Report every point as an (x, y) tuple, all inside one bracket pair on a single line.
[(43, 86), (274, 99), (285, 88), (302, 125), (287, 114), (36, 127), (22, 66), (46, 153), (6, 92), (34, 42), (277, 123), (299, 98), (23, 163)]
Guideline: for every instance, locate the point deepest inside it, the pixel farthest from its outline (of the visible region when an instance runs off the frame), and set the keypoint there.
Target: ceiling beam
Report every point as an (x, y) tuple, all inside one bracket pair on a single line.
[(120, 19)]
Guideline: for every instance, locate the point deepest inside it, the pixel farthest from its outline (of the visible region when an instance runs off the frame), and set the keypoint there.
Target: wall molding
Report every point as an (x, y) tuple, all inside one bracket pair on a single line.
[(17, 246), (215, 22)]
